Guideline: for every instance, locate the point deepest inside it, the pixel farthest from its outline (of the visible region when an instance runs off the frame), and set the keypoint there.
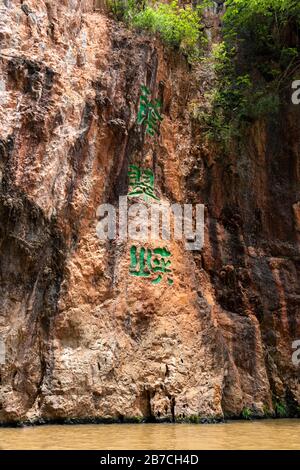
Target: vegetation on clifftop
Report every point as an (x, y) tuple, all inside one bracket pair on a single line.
[(258, 57), (178, 26)]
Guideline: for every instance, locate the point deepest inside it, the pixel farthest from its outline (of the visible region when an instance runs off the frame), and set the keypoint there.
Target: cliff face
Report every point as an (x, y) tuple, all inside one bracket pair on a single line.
[(83, 338)]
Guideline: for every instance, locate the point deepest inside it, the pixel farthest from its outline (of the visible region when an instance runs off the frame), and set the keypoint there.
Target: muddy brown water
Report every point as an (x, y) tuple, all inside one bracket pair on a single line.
[(268, 434)]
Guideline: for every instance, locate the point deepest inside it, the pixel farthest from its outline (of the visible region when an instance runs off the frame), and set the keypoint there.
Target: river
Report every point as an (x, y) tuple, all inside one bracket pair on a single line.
[(266, 434)]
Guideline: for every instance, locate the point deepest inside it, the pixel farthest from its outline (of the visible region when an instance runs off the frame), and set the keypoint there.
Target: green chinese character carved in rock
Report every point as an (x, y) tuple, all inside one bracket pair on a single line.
[(150, 263), (141, 182), (149, 112)]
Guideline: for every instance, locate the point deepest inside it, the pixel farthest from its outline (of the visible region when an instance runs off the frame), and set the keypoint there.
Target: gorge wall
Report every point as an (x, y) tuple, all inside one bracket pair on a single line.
[(84, 340)]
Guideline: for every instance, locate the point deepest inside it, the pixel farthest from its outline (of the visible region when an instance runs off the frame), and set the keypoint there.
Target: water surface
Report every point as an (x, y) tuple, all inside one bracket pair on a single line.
[(267, 434)]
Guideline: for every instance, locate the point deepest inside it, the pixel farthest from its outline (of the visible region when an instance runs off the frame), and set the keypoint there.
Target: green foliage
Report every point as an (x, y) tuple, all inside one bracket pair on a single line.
[(247, 16), (281, 409), (125, 9), (252, 65), (247, 413), (117, 7), (178, 27), (136, 419), (194, 419)]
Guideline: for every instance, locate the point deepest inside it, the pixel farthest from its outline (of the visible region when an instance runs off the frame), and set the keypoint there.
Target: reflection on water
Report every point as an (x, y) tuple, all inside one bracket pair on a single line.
[(269, 434)]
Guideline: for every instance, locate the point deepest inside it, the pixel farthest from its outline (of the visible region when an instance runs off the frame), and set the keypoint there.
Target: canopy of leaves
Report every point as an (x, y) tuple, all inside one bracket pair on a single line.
[(261, 21), (178, 26), (259, 56)]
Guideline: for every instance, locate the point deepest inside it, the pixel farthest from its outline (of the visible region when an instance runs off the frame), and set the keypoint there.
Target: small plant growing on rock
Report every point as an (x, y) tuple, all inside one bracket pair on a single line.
[(247, 413), (281, 409), (194, 419)]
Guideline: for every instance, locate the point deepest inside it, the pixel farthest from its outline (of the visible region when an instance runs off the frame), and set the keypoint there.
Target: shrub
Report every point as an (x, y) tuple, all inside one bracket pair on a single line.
[(178, 26), (280, 409), (253, 64), (194, 419), (246, 413)]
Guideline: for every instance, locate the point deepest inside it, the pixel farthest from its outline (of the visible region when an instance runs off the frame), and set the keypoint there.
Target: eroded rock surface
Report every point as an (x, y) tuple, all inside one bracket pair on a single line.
[(83, 338)]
